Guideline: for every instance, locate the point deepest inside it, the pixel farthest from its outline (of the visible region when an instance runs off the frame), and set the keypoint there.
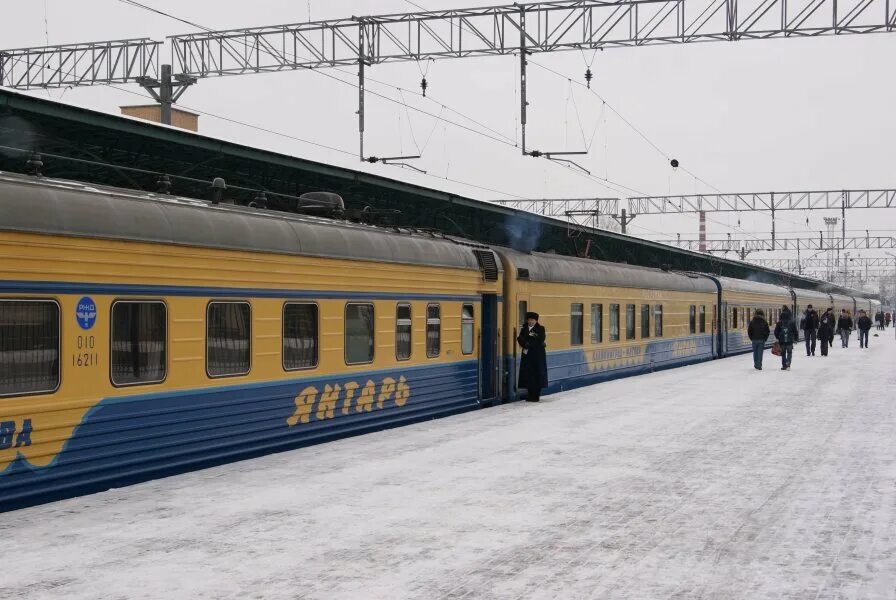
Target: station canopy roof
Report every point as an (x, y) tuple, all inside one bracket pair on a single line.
[(96, 147)]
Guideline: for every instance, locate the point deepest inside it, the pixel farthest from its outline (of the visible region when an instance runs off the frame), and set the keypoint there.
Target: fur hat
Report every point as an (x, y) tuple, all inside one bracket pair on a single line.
[(531, 315)]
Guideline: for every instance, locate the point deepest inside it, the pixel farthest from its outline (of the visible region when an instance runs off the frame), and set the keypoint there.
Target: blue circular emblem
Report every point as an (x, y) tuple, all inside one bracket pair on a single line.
[(86, 312)]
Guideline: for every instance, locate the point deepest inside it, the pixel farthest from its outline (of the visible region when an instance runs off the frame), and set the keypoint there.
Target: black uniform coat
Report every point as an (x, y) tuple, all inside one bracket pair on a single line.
[(758, 330), (534, 363)]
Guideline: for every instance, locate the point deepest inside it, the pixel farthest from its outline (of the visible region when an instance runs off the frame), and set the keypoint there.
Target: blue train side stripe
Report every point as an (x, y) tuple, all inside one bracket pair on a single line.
[(135, 438), (109, 289)]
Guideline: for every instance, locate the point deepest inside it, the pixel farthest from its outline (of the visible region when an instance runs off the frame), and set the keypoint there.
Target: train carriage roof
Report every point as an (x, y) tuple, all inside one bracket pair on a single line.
[(730, 284), (554, 268), (59, 207)]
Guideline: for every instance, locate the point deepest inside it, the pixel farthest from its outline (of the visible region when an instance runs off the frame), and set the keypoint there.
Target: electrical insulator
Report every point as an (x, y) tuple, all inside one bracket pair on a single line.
[(674, 163), (588, 77), (423, 86)]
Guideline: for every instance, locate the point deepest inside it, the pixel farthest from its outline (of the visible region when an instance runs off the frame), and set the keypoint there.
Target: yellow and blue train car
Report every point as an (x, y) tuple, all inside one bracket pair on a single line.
[(606, 320), (739, 300), (143, 335)]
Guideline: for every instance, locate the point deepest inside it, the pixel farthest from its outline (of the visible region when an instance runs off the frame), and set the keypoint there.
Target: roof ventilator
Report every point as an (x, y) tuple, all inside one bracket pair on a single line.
[(487, 264), (522, 273)]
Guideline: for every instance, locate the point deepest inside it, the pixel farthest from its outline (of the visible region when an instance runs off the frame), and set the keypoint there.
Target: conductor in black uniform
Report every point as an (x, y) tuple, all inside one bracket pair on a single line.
[(534, 364)]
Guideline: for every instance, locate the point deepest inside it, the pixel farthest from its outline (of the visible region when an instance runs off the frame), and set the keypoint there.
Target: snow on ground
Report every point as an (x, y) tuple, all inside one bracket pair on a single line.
[(710, 481)]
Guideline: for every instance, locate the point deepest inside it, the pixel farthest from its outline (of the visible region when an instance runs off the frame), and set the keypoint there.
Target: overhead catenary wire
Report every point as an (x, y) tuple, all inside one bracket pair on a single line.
[(613, 186)]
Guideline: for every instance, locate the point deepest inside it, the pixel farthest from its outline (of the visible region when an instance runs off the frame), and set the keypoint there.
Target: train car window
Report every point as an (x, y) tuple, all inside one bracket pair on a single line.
[(645, 321), (29, 347), (597, 314), (433, 330), (403, 326), (658, 320), (229, 326), (523, 309), (629, 321), (702, 318), (300, 336), (359, 334), (614, 322), (139, 339), (734, 318), (692, 318), (467, 320), (576, 324)]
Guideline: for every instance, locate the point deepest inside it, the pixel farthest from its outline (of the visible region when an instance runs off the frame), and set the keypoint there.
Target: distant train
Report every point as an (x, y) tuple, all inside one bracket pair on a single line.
[(143, 335)]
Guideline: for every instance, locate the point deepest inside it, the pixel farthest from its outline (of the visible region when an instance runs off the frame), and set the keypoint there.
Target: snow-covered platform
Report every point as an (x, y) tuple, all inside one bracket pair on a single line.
[(710, 481)]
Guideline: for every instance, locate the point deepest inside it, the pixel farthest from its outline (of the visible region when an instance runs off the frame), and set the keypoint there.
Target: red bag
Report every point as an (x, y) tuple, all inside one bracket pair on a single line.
[(776, 349)]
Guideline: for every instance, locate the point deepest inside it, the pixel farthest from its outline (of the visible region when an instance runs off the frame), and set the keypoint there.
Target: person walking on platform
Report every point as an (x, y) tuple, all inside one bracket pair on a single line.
[(786, 334), (533, 365), (879, 317), (826, 330), (758, 332), (809, 324), (844, 326), (864, 325), (887, 320)]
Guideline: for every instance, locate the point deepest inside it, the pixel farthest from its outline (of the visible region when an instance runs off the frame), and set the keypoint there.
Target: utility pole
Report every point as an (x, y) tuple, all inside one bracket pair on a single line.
[(624, 219), (170, 90)]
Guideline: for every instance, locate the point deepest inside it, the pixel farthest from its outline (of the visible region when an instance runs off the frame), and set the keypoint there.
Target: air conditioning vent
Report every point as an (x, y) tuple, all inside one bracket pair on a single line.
[(487, 264), (522, 273)]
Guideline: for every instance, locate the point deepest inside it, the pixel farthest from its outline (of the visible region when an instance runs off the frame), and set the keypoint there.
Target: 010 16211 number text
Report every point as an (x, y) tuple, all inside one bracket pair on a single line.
[(85, 356)]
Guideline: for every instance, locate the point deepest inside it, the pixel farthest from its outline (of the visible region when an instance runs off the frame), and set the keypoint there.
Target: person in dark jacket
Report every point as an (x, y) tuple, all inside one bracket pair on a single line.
[(809, 324), (879, 318), (758, 332), (534, 364), (864, 325), (844, 326), (826, 330), (786, 334)]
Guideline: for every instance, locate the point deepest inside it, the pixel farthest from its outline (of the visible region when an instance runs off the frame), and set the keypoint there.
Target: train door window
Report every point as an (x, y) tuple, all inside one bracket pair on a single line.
[(576, 324), (359, 334), (467, 320), (300, 336), (692, 318), (139, 337), (403, 326), (227, 340), (702, 318), (614, 322), (629, 321), (433, 330), (597, 313), (658, 320), (29, 347), (523, 309), (645, 321), (734, 318)]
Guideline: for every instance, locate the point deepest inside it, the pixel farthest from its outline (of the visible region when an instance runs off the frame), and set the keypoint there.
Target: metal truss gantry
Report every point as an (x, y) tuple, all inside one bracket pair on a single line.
[(118, 61), (768, 244), (519, 29), (793, 264)]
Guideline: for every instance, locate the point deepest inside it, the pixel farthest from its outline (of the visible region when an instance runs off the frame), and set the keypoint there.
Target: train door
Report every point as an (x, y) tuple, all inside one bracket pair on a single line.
[(488, 349), (724, 325)]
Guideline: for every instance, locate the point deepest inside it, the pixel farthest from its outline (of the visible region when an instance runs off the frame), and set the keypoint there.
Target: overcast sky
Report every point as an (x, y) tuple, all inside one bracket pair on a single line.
[(772, 115)]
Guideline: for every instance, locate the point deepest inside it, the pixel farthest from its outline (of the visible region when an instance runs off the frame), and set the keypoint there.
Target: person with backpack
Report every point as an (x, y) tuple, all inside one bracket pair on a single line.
[(844, 326), (826, 330), (786, 334), (809, 324), (864, 325), (758, 332)]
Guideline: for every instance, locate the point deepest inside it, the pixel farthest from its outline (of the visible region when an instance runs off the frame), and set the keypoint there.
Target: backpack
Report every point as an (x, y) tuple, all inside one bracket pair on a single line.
[(786, 336)]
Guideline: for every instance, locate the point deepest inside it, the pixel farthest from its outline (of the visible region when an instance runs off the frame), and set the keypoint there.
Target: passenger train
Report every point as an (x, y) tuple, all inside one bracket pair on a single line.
[(143, 334)]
